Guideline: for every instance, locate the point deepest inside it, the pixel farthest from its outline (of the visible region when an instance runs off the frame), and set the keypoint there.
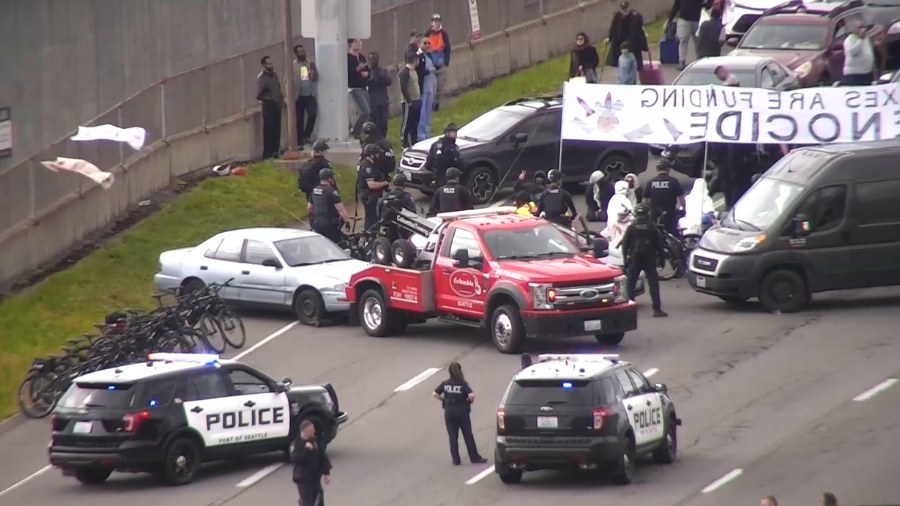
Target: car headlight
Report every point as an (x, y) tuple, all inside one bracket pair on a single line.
[(804, 69), (749, 243), (544, 295), (341, 287), (620, 289)]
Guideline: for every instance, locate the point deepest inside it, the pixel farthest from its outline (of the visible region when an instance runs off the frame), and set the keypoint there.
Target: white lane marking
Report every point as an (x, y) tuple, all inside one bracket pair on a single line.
[(25, 480), (877, 389), (712, 487), (259, 475), (265, 341), (480, 476), (422, 376), (650, 372)]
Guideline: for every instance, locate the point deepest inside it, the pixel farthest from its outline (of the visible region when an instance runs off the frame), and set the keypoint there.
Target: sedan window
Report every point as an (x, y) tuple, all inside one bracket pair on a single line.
[(311, 250), (257, 252), (230, 249), (788, 37)]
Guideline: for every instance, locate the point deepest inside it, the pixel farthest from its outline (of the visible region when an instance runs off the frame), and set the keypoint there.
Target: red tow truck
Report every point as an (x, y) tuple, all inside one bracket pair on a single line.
[(517, 277)]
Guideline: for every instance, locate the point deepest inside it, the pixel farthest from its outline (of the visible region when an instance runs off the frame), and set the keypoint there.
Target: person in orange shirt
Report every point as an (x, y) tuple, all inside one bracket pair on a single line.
[(439, 49)]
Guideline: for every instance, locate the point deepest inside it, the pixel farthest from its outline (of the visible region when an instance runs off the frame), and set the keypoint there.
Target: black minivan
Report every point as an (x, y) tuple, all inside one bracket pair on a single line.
[(821, 219)]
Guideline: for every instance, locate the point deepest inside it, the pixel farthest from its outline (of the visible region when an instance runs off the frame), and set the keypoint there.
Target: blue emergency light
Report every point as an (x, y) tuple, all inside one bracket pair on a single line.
[(567, 385)]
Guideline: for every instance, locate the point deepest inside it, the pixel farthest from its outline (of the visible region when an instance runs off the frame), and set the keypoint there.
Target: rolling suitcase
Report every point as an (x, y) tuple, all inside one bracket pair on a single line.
[(668, 51), (652, 73)]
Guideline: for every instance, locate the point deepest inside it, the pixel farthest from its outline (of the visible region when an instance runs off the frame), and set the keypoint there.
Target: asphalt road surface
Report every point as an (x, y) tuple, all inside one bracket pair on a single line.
[(789, 405)]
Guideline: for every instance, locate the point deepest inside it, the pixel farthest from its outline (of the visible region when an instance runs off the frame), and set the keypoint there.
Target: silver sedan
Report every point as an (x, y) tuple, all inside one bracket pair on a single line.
[(277, 267)]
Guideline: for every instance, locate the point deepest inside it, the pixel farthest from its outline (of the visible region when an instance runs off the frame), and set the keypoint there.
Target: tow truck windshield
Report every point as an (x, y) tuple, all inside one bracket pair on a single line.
[(541, 241)]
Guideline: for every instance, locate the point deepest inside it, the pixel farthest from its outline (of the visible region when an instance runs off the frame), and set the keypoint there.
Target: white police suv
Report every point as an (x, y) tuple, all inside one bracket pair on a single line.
[(175, 411), (583, 412)]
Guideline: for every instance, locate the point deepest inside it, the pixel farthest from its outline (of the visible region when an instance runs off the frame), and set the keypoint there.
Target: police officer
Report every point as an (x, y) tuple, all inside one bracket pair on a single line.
[(388, 161), (664, 194), (309, 171), (399, 194), (457, 397), (641, 247), (370, 182), (443, 155), (451, 196), (312, 466), (326, 209), (555, 202)]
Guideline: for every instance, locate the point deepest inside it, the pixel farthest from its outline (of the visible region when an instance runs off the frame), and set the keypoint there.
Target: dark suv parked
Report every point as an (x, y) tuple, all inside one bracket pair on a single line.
[(523, 135)]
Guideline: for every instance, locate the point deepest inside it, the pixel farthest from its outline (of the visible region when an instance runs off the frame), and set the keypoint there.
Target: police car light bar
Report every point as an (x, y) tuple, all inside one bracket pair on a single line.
[(585, 357), (472, 213), (198, 358)]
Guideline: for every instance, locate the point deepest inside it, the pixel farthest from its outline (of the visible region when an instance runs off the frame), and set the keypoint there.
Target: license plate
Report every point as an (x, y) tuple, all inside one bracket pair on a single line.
[(592, 325), (701, 282), (547, 422), (82, 427)]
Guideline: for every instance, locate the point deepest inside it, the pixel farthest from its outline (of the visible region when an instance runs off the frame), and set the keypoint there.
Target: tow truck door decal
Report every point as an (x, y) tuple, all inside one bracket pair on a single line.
[(239, 418)]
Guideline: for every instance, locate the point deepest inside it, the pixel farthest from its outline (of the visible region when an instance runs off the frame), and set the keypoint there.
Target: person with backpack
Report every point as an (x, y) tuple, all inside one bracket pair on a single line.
[(309, 171), (642, 246)]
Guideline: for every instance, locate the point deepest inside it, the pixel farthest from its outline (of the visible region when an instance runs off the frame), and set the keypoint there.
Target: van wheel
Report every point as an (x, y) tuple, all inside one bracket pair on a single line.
[(374, 314), (93, 475), (623, 469), (668, 447), (610, 339), (783, 291), (616, 166), (509, 475), (403, 253), (507, 330), (182, 461), (381, 251)]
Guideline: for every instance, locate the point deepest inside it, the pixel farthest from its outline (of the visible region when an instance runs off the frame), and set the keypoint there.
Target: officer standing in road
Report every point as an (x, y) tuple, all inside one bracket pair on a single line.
[(641, 247), (399, 194), (370, 135), (664, 194), (309, 171), (326, 209), (370, 182), (452, 196), (443, 154), (312, 466), (457, 398), (556, 202)]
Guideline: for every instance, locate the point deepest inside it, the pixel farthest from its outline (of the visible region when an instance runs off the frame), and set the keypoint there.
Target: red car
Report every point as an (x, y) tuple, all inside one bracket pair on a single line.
[(809, 38)]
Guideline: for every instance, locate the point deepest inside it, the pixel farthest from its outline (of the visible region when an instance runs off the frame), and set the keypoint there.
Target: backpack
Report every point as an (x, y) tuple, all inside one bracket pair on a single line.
[(309, 176)]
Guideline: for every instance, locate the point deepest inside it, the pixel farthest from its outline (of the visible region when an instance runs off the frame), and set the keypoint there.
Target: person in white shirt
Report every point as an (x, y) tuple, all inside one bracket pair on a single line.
[(726, 77), (859, 58)]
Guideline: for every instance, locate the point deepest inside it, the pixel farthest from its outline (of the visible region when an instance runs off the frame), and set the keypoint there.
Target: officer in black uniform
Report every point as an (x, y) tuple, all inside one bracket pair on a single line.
[(451, 196), (443, 154), (312, 466), (664, 194), (388, 161), (370, 182), (555, 201), (641, 248), (399, 194), (309, 171), (457, 397), (326, 209)]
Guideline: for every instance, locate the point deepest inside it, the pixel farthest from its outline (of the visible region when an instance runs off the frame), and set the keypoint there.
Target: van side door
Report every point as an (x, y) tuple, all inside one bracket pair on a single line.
[(875, 232), (825, 246)]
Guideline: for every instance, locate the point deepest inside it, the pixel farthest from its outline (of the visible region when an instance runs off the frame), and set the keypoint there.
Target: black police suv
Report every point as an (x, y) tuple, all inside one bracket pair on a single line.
[(523, 134), (175, 411), (584, 412)]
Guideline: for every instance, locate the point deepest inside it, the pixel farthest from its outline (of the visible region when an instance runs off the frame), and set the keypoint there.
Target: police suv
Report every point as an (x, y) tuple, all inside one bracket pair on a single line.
[(175, 411), (583, 412)]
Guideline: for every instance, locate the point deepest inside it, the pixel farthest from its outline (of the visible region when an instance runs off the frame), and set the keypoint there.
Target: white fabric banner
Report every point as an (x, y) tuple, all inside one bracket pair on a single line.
[(690, 114), (87, 169), (134, 136)]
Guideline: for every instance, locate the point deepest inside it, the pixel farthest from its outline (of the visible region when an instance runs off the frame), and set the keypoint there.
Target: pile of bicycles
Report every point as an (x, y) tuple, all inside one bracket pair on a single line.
[(196, 322)]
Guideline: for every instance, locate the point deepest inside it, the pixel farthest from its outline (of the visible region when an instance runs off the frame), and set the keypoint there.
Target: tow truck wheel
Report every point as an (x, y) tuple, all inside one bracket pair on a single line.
[(374, 315), (93, 475), (610, 339), (507, 330), (381, 251), (403, 253)]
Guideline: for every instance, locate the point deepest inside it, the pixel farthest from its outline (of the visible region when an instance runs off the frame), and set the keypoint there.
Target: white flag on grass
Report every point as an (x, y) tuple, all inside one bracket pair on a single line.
[(87, 169), (134, 136)]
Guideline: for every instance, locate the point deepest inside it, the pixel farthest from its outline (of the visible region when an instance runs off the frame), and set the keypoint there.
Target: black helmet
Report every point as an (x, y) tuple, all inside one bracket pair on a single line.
[(372, 150), (641, 211), (369, 128), (400, 179), (539, 175), (326, 173), (554, 176), (320, 146), (454, 173), (450, 127)]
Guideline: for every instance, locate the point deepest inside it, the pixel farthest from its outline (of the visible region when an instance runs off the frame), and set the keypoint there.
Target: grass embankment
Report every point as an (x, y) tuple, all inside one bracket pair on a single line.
[(120, 274)]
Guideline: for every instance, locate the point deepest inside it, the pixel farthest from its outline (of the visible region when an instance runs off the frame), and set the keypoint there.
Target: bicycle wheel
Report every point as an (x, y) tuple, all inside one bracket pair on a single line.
[(36, 395), (670, 266), (232, 327), (211, 330)]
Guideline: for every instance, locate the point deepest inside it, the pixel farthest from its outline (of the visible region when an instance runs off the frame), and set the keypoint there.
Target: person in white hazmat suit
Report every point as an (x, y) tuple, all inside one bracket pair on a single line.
[(619, 210), (699, 210)]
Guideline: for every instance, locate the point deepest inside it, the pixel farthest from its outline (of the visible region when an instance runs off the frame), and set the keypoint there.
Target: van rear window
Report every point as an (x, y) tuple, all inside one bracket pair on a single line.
[(98, 395), (543, 392)]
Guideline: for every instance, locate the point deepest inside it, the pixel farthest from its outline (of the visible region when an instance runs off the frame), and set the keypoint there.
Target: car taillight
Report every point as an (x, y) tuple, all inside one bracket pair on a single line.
[(600, 416), (501, 419), (132, 421)]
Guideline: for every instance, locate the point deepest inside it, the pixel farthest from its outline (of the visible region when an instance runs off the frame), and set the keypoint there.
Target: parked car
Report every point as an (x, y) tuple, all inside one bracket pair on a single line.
[(523, 134), (278, 267), (809, 39), (751, 71)]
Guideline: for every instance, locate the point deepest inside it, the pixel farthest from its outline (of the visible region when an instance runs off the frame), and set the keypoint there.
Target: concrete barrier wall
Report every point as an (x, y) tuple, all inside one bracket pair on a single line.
[(209, 114)]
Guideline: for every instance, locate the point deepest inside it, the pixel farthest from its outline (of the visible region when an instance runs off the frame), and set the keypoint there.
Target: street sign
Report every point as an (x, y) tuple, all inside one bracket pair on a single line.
[(359, 17), (473, 19), (6, 140)]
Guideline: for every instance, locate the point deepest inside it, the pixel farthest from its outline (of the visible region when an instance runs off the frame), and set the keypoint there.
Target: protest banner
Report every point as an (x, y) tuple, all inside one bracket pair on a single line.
[(689, 114)]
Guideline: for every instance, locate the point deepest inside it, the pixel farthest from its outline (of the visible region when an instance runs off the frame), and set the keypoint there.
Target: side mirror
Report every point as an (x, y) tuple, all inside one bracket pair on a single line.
[(286, 382), (661, 388), (800, 226), (280, 388), (520, 138), (271, 262), (461, 258), (732, 42), (601, 247)]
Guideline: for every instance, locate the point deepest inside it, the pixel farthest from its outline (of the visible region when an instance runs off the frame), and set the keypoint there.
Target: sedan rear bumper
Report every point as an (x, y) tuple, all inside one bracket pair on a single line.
[(164, 282)]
